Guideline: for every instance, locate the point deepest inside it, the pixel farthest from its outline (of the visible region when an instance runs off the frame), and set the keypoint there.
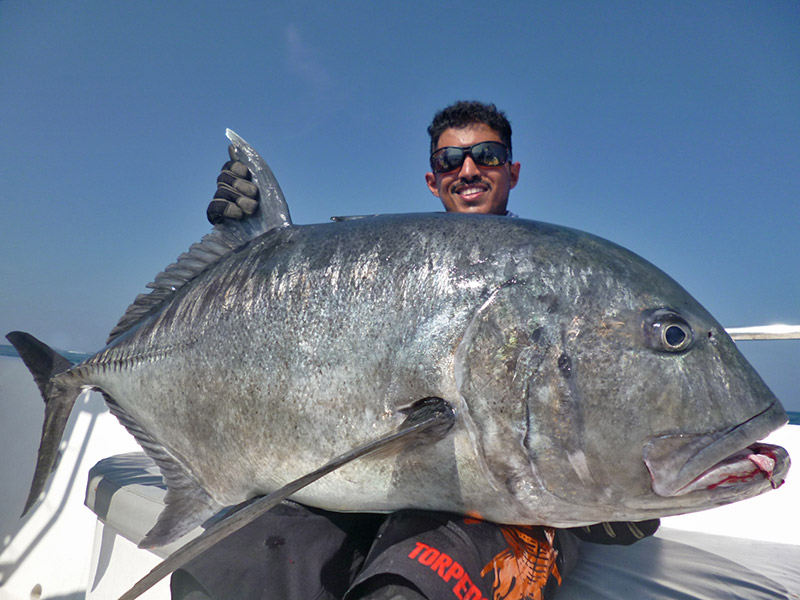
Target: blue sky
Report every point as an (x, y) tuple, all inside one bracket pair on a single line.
[(672, 128)]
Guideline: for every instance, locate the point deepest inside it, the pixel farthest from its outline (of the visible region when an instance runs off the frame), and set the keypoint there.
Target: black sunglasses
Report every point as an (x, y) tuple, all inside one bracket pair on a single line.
[(485, 154)]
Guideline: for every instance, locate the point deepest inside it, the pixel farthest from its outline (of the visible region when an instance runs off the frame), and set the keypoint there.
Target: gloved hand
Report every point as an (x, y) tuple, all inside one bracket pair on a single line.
[(622, 533), (236, 196)]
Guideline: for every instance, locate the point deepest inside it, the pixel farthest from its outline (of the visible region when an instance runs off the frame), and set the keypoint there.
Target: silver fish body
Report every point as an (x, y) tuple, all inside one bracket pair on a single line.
[(587, 385), (312, 339)]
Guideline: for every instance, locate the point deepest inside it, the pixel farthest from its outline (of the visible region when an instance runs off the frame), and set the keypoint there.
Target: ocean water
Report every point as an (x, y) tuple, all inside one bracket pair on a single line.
[(76, 357)]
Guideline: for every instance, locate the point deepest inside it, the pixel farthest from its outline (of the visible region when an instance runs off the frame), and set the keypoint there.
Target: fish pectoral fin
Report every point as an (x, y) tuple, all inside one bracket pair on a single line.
[(45, 364), (433, 410)]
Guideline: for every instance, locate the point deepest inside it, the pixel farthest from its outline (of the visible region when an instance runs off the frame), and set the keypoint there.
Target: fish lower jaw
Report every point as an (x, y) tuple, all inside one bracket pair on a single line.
[(746, 468)]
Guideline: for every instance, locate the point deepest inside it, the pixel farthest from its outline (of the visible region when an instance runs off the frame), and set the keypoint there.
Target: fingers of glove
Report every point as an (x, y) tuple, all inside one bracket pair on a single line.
[(241, 169), (242, 186), (236, 195), (218, 210), (226, 192), (237, 168), (248, 205)]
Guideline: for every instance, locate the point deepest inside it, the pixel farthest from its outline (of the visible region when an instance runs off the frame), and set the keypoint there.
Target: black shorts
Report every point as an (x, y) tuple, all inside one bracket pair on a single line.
[(297, 552)]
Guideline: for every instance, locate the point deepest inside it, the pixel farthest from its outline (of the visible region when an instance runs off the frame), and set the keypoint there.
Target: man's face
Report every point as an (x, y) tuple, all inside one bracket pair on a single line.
[(472, 188)]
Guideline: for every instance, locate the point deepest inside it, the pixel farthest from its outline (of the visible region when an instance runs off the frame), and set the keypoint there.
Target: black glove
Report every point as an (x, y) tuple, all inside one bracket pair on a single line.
[(236, 195), (619, 532)]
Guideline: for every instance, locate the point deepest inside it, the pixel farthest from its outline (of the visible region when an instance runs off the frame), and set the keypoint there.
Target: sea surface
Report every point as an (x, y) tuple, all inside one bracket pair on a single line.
[(76, 357), (73, 357)]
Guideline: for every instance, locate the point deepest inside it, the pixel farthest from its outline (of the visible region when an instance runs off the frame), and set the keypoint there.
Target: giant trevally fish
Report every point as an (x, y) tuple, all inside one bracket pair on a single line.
[(585, 385)]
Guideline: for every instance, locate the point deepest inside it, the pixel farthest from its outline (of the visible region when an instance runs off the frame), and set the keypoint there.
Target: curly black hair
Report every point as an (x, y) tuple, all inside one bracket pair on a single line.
[(464, 113)]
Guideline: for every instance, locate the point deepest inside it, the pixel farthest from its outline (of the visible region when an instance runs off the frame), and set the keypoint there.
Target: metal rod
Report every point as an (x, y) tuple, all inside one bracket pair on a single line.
[(765, 332)]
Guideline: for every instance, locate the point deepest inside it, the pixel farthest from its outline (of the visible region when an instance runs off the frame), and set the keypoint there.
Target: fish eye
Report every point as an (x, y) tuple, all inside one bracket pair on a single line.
[(676, 336), (667, 331)]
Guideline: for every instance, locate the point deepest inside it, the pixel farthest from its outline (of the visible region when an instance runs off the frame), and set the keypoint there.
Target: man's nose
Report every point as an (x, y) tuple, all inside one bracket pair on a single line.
[(468, 169)]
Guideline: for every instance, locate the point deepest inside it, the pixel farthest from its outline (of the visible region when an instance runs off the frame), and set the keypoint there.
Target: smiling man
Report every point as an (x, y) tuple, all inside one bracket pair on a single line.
[(471, 166)]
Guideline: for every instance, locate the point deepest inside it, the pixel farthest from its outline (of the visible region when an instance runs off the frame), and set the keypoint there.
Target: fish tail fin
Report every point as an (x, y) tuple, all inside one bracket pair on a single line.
[(45, 364)]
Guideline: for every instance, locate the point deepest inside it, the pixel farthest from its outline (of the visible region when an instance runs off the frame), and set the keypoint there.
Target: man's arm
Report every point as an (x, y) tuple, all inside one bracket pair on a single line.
[(236, 196)]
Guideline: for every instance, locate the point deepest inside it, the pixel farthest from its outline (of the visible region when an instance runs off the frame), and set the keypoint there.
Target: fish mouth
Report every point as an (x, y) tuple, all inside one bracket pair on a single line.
[(754, 464), (729, 462)]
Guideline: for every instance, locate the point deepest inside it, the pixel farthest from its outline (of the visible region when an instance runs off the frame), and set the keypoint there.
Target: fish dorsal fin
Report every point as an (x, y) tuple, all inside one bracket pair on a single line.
[(272, 209), (226, 237)]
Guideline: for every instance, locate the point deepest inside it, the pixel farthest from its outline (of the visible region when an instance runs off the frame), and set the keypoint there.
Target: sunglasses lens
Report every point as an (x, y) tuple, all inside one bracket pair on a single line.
[(447, 159), (485, 154), (489, 154)]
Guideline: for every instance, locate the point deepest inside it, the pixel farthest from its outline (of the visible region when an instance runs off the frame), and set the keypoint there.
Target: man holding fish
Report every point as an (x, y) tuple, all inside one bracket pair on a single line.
[(301, 552)]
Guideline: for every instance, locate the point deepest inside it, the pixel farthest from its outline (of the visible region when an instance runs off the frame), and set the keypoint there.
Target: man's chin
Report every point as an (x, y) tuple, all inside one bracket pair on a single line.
[(483, 207), (477, 205)]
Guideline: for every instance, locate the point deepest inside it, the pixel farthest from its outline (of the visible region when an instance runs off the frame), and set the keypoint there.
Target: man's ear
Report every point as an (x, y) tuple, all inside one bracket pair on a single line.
[(514, 168), (430, 179)]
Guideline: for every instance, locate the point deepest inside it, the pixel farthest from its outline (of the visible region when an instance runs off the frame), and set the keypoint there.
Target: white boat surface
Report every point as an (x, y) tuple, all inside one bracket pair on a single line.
[(62, 551)]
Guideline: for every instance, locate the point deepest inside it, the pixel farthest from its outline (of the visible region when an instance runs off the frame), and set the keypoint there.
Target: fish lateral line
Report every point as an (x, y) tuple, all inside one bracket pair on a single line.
[(430, 418)]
